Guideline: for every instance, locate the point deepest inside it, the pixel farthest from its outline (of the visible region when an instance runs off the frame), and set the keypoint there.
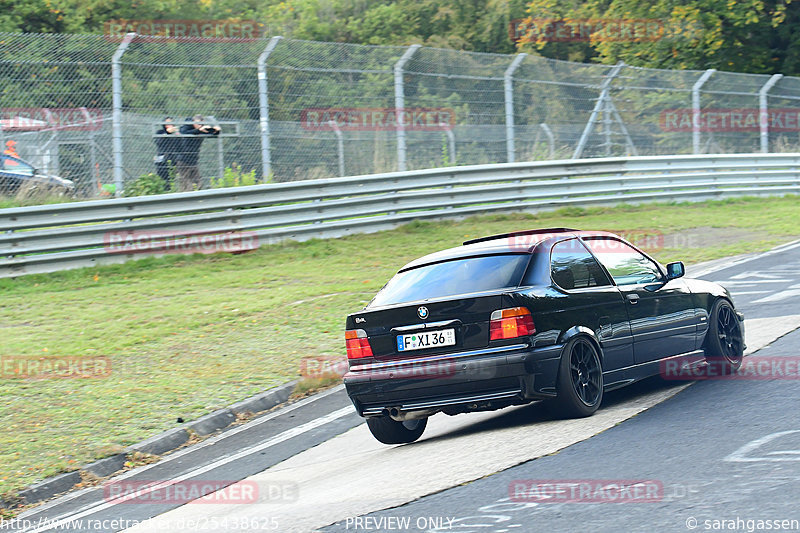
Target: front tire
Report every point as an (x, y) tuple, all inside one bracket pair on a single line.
[(579, 386), (724, 344), (390, 431)]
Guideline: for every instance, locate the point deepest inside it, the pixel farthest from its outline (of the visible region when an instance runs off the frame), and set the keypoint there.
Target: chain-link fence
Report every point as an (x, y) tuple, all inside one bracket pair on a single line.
[(88, 108)]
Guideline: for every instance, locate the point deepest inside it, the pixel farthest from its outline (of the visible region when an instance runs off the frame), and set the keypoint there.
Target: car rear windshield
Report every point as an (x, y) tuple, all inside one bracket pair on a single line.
[(459, 276)]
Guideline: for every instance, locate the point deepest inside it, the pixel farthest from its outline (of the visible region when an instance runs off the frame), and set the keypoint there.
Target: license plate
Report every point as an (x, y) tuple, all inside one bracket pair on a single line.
[(426, 339)]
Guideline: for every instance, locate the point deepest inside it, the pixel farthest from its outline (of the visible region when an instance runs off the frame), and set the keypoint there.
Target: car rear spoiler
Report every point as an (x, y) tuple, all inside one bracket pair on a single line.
[(516, 233)]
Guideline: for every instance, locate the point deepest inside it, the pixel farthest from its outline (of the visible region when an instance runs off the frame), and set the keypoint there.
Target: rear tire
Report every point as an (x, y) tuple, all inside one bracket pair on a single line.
[(390, 431), (724, 345), (579, 386)]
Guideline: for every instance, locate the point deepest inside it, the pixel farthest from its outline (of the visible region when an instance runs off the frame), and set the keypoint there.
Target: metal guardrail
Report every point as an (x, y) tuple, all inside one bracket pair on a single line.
[(48, 238)]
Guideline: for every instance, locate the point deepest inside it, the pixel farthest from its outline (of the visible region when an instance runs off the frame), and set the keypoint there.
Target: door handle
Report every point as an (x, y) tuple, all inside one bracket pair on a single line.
[(632, 298)]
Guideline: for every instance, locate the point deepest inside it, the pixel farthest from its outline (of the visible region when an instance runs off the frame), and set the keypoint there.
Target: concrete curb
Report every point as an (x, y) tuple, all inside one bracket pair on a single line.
[(161, 443), (106, 467), (50, 487), (156, 445)]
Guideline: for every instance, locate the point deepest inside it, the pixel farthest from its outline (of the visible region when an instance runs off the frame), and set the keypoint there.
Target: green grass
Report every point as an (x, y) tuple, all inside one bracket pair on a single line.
[(190, 334), (8, 202)]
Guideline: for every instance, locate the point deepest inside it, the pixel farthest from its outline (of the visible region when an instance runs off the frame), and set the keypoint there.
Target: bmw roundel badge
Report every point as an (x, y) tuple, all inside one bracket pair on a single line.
[(423, 312)]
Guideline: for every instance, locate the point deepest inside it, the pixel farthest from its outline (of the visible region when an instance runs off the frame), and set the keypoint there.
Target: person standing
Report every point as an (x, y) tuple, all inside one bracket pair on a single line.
[(192, 136), (167, 148)]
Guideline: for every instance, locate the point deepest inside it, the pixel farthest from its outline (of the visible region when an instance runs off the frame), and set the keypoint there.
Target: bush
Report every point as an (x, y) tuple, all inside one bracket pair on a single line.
[(234, 176), (145, 185)]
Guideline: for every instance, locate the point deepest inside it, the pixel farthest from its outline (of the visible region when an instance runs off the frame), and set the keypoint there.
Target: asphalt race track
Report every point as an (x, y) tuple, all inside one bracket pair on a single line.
[(702, 455)]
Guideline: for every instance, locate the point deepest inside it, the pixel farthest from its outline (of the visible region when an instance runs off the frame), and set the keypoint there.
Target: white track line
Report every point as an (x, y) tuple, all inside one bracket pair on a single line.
[(735, 262)]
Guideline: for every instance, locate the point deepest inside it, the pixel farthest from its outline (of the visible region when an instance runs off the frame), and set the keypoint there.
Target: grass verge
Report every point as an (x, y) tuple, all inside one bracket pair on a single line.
[(189, 334)]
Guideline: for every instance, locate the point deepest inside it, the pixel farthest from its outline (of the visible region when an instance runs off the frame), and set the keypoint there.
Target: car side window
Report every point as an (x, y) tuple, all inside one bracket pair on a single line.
[(626, 265), (573, 267)]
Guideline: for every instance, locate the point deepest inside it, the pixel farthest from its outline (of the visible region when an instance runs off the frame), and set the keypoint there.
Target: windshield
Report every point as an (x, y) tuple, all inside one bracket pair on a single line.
[(460, 276), (18, 166)]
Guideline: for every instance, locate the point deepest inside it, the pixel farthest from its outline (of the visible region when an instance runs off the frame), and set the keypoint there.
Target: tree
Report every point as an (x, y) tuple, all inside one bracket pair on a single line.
[(757, 36), (475, 25)]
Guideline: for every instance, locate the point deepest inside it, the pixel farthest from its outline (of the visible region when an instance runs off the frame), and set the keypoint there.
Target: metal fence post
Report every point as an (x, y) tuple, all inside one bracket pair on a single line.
[(116, 111), (399, 105), (604, 89), (263, 104), (551, 140), (508, 86), (92, 149), (339, 145), (696, 108), (451, 145), (763, 112)]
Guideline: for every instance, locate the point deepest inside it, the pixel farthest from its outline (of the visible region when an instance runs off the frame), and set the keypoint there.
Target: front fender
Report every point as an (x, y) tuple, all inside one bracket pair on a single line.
[(708, 292)]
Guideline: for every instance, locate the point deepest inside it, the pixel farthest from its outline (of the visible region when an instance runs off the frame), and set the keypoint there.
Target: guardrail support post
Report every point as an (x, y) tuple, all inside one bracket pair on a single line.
[(763, 111), (601, 100), (116, 111), (263, 104), (696, 108), (508, 86), (399, 105)]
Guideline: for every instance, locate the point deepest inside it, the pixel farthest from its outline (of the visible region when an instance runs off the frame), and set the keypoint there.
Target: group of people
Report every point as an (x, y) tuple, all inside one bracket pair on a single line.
[(178, 151)]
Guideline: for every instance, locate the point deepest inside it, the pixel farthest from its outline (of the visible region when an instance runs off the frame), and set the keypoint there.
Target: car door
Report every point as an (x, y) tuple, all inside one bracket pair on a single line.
[(661, 311), (592, 300)]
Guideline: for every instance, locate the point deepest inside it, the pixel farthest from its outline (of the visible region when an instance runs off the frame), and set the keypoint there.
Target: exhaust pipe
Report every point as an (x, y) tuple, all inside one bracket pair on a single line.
[(395, 413)]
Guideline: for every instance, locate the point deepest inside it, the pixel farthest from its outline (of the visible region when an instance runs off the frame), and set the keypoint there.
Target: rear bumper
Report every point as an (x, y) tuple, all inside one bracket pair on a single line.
[(475, 380)]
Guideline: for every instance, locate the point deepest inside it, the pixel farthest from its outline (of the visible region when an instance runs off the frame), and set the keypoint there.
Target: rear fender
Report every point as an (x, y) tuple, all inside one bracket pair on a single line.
[(577, 331)]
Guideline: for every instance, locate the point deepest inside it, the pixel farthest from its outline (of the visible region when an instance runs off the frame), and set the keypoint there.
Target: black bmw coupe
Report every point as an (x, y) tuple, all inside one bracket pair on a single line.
[(558, 314)]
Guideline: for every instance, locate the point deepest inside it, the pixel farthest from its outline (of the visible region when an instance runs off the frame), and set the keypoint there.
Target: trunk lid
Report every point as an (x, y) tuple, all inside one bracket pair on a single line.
[(467, 316)]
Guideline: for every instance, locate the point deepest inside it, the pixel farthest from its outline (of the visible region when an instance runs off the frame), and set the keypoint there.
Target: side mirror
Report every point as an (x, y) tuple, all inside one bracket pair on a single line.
[(675, 270)]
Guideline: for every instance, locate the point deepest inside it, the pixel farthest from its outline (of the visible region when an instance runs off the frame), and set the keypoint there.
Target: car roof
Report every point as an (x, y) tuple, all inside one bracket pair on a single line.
[(517, 242)]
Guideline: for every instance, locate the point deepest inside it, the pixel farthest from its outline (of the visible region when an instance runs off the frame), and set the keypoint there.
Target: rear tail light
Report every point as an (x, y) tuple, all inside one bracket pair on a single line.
[(511, 323), (357, 344)]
